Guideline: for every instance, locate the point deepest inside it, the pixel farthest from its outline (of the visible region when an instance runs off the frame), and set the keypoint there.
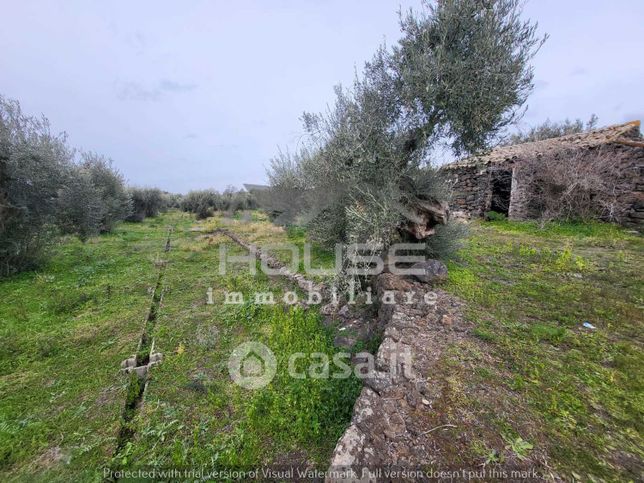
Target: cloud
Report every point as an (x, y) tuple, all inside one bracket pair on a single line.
[(578, 71), (134, 91), (191, 135), (172, 86)]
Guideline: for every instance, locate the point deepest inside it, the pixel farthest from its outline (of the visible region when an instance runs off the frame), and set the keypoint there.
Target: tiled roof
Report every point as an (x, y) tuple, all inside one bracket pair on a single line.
[(627, 133)]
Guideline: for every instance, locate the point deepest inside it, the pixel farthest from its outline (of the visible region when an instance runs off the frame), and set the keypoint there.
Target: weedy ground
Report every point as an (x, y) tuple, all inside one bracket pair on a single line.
[(538, 380), (66, 328), (529, 291)]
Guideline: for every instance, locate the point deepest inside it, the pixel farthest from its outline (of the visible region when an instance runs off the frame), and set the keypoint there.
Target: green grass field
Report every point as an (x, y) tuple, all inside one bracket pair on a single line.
[(66, 328), (529, 290)]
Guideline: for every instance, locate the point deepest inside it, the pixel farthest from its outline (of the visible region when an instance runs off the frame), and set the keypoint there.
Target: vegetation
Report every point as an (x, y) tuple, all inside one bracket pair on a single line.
[(459, 75), (47, 189), (146, 203), (586, 186), (529, 290), (69, 325), (65, 330), (548, 362), (549, 129), (205, 202)]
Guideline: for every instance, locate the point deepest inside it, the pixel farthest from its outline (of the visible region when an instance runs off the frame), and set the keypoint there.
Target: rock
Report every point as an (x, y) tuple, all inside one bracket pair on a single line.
[(344, 311), (431, 271), (328, 309), (345, 342), (389, 282), (129, 362), (447, 320), (155, 358)]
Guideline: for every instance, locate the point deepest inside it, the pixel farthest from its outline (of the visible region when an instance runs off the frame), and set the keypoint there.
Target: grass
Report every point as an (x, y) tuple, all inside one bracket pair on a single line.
[(530, 373), (203, 417), (66, 328), (529, 290), (280, 242)]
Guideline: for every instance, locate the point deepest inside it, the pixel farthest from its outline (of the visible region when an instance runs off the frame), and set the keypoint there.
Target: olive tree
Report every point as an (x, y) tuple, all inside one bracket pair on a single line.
[(115, 201), (35, 164), (549, 129), (146, 202), (45, 191), (459, 75), (79, 206)]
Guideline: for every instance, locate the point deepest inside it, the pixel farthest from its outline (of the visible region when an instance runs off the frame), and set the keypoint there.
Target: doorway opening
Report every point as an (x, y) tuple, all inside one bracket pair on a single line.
[(501, 191)]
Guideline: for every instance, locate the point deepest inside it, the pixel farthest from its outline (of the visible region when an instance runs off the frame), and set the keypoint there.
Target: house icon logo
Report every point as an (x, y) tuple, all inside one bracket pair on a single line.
[(252, 365)]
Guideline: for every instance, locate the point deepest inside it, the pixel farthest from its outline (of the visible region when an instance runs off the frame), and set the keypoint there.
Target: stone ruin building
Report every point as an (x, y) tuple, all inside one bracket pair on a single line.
[(492, 182)]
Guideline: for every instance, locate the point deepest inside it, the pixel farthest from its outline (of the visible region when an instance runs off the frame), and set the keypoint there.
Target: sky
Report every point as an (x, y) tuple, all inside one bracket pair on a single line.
[(200, 94)]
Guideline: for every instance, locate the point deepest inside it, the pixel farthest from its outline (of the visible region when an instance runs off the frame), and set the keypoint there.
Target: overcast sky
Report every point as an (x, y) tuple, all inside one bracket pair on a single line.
[(194, 94)]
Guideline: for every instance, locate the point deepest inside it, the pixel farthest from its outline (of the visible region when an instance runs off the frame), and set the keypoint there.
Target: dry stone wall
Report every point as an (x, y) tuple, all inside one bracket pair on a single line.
[(395, 415), (472, 186)]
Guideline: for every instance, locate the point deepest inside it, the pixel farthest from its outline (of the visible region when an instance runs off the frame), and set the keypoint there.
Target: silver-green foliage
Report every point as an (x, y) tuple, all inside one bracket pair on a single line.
[(116, 204), (550, 129), (205, 202), (458, 76), (45, 191), (146, 203)]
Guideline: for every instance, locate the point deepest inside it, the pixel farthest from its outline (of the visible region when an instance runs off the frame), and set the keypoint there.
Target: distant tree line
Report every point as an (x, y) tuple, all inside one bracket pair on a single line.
[(549, 130), (203, 203), (457, 78), (48, 188)]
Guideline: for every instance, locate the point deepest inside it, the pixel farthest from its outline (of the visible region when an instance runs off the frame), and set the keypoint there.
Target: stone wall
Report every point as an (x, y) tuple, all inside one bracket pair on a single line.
[(472, 186), (411, 414), (470, 189), (629, 209)]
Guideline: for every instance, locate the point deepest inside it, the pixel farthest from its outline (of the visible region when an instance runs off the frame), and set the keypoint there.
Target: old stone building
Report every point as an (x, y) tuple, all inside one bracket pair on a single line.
[(493, 181)]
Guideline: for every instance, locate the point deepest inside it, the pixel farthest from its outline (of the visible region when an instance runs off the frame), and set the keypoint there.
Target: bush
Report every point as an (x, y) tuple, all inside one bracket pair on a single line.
[(79, 207), (577, 185), (549, 129), (172, 200), (35, 166), (146, 203), (115, 200), (205, 202), (204, 211)]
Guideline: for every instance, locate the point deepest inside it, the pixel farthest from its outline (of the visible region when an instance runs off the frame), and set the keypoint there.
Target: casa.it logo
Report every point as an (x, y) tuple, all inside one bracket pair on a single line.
[(252, 365)]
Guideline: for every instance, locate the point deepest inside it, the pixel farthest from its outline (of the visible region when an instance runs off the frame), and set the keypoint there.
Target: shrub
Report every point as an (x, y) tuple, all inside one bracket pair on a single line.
[(204, 211), (172, 200), (576, 185), (79, 207), (550, 129), (35, 165), (45, 189), (146, 203), (205, 202)]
